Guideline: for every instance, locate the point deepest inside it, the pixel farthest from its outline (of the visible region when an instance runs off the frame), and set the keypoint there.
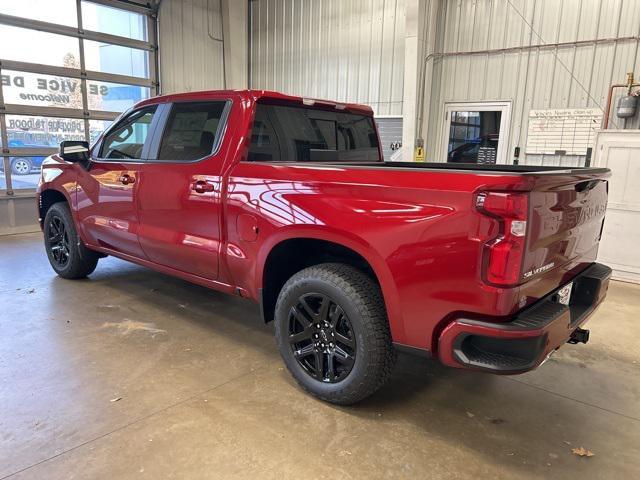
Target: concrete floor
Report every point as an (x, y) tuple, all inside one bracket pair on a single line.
[(203, 393)]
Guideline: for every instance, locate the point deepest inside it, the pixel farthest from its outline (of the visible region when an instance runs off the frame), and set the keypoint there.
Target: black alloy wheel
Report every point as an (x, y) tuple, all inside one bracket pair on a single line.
[(58, 241), (68, 256), (333, 334), (321, 338)]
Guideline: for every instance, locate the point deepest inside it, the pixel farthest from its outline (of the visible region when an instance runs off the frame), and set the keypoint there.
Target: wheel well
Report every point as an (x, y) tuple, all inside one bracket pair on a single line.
[(47, 199), (291, 256)]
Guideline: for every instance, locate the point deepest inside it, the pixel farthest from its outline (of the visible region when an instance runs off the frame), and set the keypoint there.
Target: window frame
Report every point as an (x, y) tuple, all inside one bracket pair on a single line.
[(502, 106), (163, 123), (99, 145)]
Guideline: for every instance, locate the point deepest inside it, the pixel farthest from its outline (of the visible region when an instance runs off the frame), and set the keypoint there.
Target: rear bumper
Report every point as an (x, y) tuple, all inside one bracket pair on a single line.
[(524, 342)]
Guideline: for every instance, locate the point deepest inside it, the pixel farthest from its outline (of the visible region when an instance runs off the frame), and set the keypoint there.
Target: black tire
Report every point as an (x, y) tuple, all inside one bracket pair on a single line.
[(21, 166), (67, 254), (357, 321)]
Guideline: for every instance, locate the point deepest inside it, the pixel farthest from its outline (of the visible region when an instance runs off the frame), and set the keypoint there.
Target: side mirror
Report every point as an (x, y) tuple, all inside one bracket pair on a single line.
[(74, 151)]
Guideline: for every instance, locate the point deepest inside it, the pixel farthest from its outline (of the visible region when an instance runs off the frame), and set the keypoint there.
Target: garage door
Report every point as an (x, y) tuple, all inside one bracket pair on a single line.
[(620, 151), (390, 129)]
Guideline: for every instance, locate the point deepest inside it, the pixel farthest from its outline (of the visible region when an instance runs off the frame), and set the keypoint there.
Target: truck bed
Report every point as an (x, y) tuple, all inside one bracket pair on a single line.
[(475, 168)]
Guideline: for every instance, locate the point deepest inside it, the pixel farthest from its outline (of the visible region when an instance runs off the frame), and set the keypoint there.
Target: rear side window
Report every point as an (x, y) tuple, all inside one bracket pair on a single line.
[(301, 134), (191, 131), (127, 138)]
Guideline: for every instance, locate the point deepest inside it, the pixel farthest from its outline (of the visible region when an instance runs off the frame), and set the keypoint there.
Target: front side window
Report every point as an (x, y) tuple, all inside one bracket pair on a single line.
[(301, 134), (191, 131), (127, 139)]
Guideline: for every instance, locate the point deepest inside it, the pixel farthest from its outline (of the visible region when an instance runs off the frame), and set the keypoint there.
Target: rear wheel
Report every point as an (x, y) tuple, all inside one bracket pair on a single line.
[(67, 254), (333, 333)]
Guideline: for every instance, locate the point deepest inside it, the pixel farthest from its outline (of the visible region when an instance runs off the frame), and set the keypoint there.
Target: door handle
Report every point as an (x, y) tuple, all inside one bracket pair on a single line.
[(126, 179), (202, 186)]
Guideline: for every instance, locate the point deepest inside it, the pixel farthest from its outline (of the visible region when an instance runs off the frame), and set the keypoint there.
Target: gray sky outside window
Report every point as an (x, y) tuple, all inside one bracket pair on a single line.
[(101, 18), (62, 12)]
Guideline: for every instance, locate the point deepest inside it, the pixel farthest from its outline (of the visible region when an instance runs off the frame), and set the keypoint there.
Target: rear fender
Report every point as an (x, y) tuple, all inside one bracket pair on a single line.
[(347, 240)]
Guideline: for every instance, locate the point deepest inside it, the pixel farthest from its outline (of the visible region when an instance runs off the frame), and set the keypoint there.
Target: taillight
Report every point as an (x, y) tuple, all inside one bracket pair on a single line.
[(502, 255)]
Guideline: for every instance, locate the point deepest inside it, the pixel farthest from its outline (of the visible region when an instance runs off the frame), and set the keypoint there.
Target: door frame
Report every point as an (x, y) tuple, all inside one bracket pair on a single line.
[(504, 106)]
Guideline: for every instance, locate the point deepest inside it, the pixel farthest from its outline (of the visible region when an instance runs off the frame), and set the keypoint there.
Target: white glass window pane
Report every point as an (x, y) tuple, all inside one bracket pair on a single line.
[(114, 21), (114, 97), (42, 132), (24, 45), (41, 90), (108, 58), (96, 127), (62, 12)]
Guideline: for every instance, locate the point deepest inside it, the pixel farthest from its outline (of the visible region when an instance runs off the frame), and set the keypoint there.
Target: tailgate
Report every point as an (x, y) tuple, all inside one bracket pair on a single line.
[(566, 217)]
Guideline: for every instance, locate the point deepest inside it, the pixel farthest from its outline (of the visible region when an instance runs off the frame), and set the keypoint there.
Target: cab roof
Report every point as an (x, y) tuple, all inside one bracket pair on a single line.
[(259, 96)]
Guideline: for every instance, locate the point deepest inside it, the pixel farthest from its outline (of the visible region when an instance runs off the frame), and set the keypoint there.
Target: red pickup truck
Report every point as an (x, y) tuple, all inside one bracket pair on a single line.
[(287, 201)]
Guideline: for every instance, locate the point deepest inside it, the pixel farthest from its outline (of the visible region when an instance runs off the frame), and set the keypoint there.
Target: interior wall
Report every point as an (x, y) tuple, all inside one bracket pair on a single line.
[(345, 50), (191, 50), (535, 78)]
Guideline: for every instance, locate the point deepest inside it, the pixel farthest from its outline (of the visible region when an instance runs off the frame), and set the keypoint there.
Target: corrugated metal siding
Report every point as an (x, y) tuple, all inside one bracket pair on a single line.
[(345, 50), (191, 53), (537, 78)]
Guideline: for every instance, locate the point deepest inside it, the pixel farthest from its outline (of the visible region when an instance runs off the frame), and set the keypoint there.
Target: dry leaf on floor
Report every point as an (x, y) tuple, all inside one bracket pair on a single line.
[(582, 452), (116, 399)]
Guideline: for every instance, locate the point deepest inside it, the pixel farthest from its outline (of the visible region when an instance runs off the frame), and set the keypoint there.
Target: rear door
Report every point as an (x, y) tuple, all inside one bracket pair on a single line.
[(107, 189), (179, 189)]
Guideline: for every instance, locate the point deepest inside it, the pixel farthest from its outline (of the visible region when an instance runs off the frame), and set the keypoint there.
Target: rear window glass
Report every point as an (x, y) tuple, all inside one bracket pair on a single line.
[(300, 134), (191, 131)]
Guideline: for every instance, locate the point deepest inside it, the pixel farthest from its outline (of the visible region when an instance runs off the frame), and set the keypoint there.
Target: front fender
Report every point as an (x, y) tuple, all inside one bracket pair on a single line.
[(58, 176)]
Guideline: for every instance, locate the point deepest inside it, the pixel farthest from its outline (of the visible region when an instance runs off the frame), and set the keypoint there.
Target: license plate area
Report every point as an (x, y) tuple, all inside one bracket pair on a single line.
[(563, 296)]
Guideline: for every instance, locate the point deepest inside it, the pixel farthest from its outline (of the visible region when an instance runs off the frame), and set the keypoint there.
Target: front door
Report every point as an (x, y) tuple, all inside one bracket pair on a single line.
[(107, 189), (476, 132), (179, 191)]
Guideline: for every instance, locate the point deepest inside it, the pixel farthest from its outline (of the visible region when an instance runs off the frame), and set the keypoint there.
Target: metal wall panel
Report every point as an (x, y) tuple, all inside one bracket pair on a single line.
[(190, 45), (534, 78), (345, 50)]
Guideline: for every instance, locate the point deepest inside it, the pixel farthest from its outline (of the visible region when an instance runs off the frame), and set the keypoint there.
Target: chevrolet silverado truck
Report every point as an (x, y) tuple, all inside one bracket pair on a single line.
[(287, 201)]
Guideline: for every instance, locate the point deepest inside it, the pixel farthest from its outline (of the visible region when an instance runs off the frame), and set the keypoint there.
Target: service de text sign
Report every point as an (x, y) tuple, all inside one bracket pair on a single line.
[(61, 91)]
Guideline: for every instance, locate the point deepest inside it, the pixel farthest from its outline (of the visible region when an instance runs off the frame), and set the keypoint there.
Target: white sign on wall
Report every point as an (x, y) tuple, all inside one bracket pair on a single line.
[(567, 131)]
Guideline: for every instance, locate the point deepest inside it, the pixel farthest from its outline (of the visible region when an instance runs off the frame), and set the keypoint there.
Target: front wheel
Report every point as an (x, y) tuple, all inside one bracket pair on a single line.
[(21, 166), (333, 333), (67, 254)]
